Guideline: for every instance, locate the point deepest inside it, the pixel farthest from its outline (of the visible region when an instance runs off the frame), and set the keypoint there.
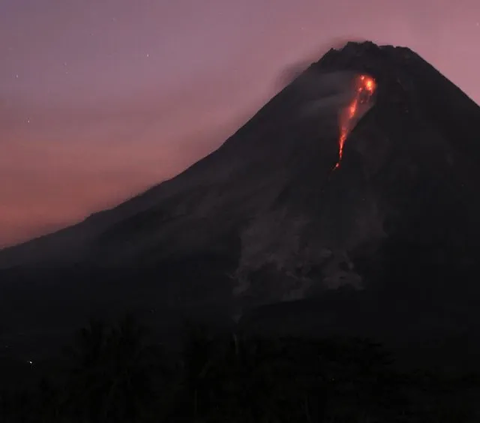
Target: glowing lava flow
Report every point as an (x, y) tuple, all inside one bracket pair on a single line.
[(364, 89)]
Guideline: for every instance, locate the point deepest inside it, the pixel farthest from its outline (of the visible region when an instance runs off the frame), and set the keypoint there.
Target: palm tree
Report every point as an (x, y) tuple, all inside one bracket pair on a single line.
[(198, 357), (252, 380), (112, 372)]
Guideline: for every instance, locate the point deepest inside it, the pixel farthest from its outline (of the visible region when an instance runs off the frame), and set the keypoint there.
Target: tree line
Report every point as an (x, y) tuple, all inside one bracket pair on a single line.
[(117, 373)]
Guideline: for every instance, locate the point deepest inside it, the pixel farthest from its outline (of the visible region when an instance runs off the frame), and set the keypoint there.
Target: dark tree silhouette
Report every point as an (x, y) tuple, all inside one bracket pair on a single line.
[(112, 373), (115, 374)]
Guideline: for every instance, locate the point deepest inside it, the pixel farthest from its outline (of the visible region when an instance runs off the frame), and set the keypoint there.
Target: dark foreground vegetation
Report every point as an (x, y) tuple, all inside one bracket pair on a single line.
[(118, 374)]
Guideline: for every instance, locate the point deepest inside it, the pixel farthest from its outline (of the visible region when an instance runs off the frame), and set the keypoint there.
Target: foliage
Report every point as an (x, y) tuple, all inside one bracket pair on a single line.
[(118, 374)]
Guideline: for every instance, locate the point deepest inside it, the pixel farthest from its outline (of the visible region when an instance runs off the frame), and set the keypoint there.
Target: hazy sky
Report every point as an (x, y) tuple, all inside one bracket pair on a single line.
[(101, 98)]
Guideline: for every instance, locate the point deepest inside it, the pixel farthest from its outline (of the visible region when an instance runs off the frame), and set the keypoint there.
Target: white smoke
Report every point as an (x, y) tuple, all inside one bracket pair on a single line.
[(323, 91)]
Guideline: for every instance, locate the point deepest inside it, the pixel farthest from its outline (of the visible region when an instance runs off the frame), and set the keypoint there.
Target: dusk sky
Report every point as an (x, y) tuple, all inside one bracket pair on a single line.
[(100, 99)]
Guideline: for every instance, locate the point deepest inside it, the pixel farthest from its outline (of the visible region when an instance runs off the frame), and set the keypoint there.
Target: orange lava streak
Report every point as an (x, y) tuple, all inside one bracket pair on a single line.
[(364, 89)]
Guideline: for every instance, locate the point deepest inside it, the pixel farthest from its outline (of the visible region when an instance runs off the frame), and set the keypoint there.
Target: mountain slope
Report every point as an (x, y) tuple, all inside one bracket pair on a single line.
[(421, 131), (265, 219)]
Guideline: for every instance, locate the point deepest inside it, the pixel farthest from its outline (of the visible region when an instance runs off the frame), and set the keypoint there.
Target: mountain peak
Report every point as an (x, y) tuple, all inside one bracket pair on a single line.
[(367, 56)]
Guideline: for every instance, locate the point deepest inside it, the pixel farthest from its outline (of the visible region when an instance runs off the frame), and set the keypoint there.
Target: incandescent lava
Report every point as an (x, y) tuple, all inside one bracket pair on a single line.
[(364, 88)]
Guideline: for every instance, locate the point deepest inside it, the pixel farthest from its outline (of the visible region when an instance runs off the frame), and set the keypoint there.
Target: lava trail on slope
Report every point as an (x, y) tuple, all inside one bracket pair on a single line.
[(364, 88)]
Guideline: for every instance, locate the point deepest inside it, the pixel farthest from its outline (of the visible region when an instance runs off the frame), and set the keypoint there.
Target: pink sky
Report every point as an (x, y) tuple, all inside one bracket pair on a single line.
[(100, 99)]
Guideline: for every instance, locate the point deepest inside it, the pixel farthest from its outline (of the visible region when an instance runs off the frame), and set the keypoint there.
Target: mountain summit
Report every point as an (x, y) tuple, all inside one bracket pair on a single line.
[(362, 174)]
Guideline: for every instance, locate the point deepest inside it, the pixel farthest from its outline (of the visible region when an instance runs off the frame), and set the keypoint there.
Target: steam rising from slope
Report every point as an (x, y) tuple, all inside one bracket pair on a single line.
[(321, 92), (348, 93)]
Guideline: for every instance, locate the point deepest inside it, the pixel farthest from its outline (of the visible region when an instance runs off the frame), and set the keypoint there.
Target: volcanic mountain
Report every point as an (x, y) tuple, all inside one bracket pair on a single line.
[(351, 199)]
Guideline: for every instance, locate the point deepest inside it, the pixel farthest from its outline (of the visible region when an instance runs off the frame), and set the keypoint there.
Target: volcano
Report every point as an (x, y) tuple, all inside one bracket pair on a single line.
[(349, 202)]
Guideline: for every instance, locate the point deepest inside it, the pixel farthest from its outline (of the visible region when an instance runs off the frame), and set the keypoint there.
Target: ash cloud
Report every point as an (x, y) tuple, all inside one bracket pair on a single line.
[(325, 92), (321, 92)]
